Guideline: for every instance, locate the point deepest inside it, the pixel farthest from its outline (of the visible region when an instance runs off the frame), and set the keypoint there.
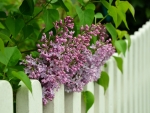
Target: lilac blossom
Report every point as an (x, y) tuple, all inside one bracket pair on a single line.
[(68, 59)]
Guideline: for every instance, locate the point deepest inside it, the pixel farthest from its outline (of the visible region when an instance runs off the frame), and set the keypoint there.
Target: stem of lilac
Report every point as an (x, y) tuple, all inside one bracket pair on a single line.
[(28, 51), (103, 19)]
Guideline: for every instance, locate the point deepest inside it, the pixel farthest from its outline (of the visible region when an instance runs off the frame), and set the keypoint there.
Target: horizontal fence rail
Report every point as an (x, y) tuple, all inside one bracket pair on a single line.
[(127, 93)]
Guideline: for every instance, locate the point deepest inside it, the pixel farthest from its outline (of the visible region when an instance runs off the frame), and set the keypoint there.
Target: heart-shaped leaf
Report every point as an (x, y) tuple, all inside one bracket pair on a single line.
[(88, 98), (119, 62), (112, 30), (5, 37), (86, 16), (105, 3), (50, 16), (122, 16), (24, 78), (14, 25), (121, 46), (90, 6), (103, 80), (27, 7), (61, 3), (27, 30), (11, 56), (127, 36), (1, 45), (98, 15), (112, 11)]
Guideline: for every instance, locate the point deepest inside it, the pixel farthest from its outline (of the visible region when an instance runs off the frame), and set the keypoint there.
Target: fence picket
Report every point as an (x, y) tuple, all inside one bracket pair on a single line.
[(27, 102), (109, 96), (90, 87), (57, 105), (6, 97), (100, 97), (131, 76), (73, 102), (126, 85)]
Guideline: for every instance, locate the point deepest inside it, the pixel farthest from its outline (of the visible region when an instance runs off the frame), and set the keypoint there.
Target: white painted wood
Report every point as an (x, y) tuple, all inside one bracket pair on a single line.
[(97, 93), (73, 102), (57, 105), (140, 69), (6, 97), (27, 102), (126, 85), (109, 96), (99, 106), (90, 87), (147, 60), (148, 74), (131, 76), (117, 81), (136, 72), (143, 43)]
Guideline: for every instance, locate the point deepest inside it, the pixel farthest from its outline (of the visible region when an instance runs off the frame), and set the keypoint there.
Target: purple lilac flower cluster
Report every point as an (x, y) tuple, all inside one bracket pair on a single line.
[(69, 60)]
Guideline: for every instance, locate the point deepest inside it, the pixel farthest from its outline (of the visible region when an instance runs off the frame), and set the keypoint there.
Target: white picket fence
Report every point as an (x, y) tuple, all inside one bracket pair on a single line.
[(127, 93)]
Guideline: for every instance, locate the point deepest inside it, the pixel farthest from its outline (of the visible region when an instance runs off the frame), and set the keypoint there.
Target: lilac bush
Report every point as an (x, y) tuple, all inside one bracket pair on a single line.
[(67, 59)]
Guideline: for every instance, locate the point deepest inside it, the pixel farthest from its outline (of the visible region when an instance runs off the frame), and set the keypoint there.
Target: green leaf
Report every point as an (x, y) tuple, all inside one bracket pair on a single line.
[(50, 16), (1, 45), (27, 30), (93, 40), (112, 11), (127, 36), (35, 54), (131, 8), (103, 80), (88, 98), (79, 12), (27, 7), (2, 14), (110, 1), (11, 56), (112, 30), (98, 15), (122, 16), (61, 3), (86, 16), (14, 68), (14, 25), (81, 2), (71, 7), (53, 1), (1, 26), (124, 6), (119, 62), (121, 46), (5, 37), (105, 3), (24, 78), (90, 6), (119, 20), (121, 34)]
